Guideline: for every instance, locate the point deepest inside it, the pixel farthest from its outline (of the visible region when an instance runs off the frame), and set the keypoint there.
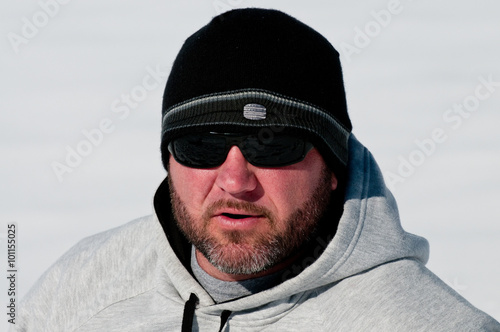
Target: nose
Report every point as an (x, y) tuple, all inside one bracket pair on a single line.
[(235, 176)]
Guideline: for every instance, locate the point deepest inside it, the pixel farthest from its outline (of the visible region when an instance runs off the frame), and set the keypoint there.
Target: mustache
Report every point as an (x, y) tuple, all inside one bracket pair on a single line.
[(247, 207)]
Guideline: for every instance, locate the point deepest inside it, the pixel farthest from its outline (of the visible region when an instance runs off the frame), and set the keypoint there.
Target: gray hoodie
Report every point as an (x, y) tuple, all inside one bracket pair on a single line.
[(370, 277)]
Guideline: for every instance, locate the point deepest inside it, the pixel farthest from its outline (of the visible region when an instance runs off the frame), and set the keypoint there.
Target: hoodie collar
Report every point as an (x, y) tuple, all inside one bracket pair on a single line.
[(369, 234)]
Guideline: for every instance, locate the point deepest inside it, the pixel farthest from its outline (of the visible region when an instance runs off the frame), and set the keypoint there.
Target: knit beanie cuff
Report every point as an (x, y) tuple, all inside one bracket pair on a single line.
[(260, 112)]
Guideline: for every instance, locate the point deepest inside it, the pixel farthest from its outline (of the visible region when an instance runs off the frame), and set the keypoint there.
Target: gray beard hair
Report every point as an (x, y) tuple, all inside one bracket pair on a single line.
[(238, 257)]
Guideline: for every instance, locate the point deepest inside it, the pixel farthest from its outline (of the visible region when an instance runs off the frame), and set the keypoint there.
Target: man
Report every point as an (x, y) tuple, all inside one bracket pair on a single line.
[(272, 217)]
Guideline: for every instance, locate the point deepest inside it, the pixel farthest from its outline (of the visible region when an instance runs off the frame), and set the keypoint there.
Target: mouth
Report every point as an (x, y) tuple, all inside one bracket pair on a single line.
[(237, 216), (237, 220)]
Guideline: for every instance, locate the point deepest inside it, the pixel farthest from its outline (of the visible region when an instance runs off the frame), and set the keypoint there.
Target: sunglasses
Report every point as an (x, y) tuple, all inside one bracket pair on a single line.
[(209, 150)]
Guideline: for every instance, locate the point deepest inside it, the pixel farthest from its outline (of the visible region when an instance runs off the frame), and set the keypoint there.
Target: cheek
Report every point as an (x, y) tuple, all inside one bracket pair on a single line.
[(289, 190), (292, 186), (191, 185)]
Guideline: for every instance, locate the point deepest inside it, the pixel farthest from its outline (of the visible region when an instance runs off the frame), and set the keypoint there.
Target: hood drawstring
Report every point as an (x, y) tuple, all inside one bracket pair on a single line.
[(188, 316), (223, 319)]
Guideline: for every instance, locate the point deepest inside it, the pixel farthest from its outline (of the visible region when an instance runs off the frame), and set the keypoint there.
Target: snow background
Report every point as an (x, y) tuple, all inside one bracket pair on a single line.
[(66, 78)]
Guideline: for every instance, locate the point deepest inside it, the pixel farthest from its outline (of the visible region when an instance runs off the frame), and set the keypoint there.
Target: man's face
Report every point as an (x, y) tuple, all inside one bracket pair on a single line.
[(246, 219)]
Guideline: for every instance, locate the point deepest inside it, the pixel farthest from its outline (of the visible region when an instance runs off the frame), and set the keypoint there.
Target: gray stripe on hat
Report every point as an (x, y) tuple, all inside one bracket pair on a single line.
[(232, 96)]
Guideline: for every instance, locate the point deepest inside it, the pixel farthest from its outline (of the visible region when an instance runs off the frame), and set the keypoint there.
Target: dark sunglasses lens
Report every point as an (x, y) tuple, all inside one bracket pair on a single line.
[(199, 151), (278, 150)]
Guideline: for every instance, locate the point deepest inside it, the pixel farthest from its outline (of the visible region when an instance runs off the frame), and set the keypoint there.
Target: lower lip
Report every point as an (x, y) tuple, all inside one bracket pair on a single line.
[(237, 224)]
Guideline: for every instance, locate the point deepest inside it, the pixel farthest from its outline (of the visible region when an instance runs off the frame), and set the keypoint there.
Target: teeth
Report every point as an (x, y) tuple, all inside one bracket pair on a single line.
[(236, 216)]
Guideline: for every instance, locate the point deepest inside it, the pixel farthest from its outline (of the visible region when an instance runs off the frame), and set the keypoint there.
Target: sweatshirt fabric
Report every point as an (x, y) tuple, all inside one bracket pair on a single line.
[(222, 291), (370, 277)]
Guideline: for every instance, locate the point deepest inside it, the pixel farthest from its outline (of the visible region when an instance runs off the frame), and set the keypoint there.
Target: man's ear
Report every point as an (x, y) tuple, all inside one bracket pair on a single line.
[(335, 182)]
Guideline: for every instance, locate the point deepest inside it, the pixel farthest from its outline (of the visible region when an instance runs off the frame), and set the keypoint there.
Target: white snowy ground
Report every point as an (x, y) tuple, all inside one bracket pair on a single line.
[(415, 71)]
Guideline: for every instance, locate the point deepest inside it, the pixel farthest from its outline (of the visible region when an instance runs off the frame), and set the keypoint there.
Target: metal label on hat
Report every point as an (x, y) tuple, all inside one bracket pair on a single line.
[(254, 112)]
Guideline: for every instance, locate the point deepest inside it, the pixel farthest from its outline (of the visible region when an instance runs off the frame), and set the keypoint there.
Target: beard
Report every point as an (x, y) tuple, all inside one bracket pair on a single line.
[(252, 252)]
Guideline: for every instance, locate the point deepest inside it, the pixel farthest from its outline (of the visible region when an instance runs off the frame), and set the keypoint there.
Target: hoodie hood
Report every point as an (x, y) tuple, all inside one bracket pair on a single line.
[(369, 234)]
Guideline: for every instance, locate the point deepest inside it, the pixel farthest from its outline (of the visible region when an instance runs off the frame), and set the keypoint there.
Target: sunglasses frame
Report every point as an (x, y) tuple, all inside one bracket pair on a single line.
[(238, 139)]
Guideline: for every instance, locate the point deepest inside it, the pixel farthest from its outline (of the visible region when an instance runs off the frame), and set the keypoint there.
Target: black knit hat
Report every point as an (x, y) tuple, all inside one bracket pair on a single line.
[(252, 70)]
